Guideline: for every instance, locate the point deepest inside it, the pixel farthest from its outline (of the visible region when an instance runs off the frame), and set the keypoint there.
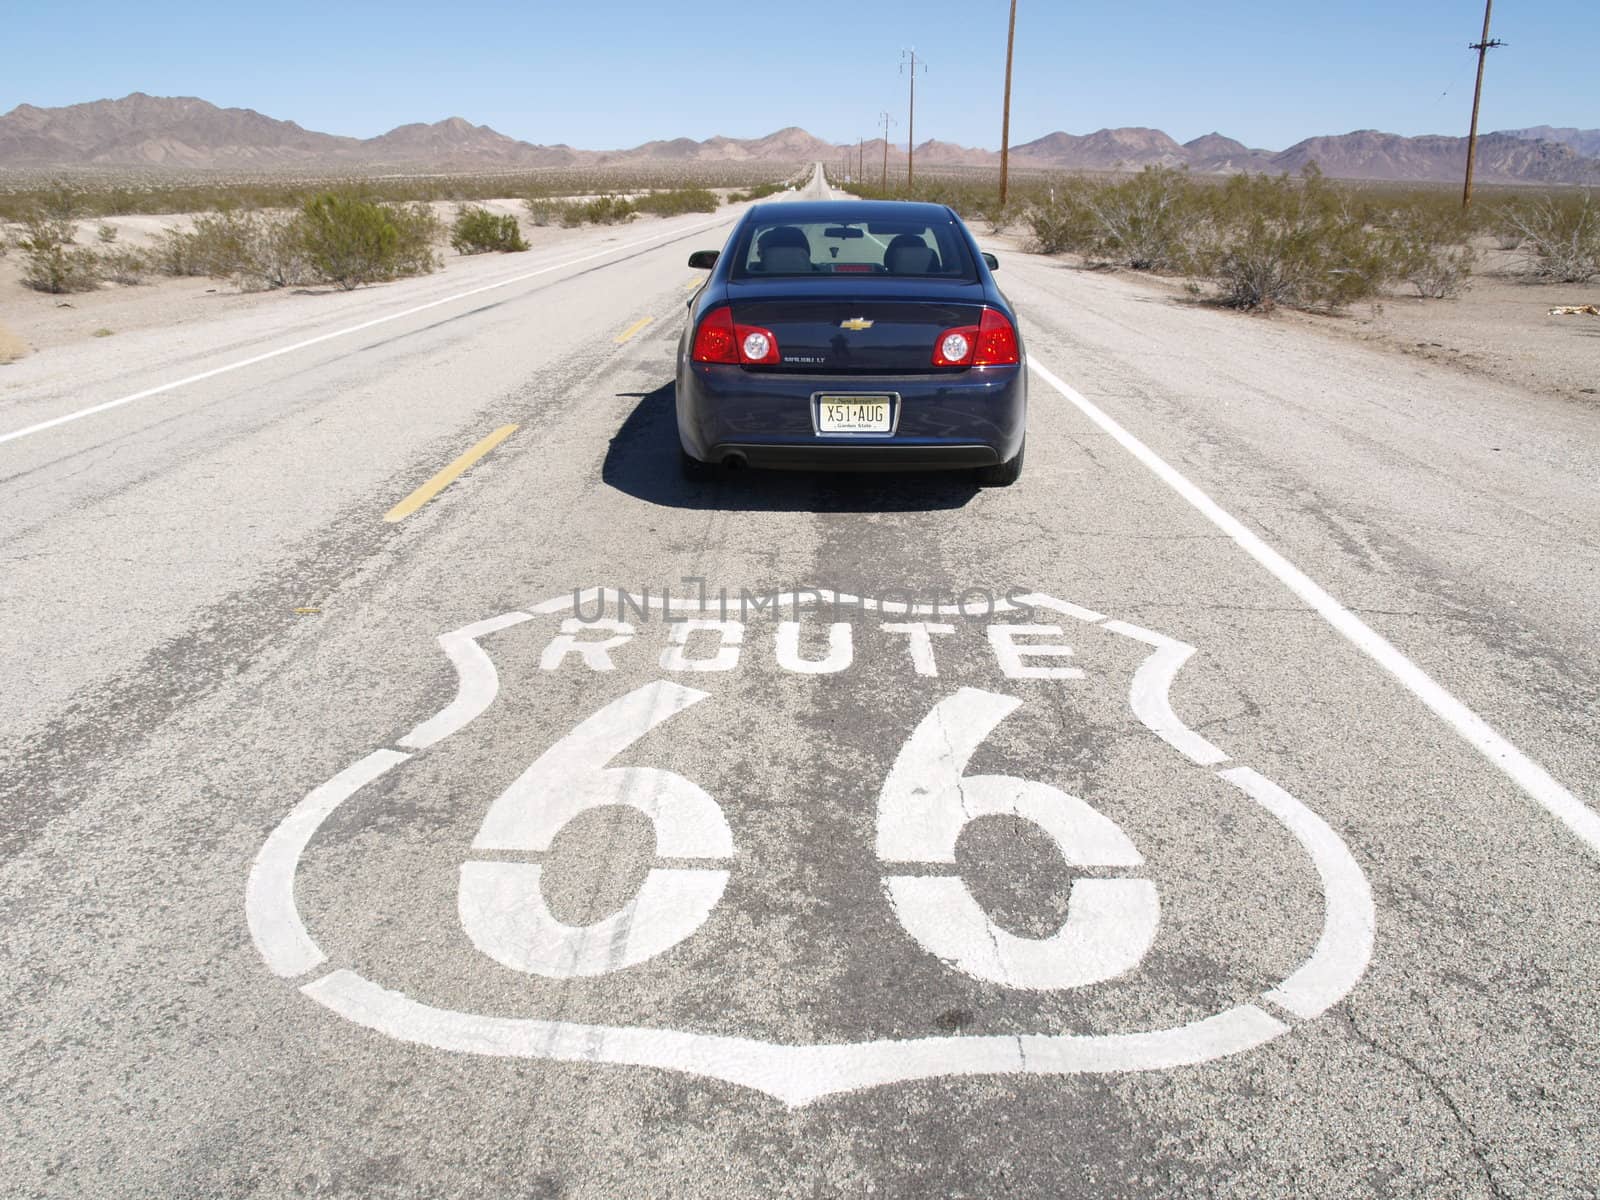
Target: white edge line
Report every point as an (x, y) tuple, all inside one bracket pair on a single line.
[(1349, 919), (349, 329), (1528, 775), (269, 906)]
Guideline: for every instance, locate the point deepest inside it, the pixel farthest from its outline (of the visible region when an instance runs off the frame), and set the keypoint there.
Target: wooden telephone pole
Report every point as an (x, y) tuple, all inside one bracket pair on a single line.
[(885, 120), (1005, 120), (1483, 45), (911, 114)]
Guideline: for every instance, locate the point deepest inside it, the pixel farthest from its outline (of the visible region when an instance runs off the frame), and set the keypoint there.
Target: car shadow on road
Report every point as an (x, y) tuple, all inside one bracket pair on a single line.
[(642, 461)]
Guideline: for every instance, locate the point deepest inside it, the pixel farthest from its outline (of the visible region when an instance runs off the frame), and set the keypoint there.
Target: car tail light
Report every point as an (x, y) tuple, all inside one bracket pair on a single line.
[(715, 341), (997, 341), (991, 343), (757, 345), (719, 340), (955, 346)]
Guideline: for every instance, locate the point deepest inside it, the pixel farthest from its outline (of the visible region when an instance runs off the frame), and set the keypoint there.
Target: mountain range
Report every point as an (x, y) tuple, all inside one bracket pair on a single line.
[(185, 132)]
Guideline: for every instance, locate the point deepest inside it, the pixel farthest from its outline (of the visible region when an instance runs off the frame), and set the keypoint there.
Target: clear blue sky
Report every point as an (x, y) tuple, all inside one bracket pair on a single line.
[(606, 75)]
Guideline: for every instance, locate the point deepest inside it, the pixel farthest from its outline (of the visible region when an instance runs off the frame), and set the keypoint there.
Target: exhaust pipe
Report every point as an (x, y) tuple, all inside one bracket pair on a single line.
[(734, 462)]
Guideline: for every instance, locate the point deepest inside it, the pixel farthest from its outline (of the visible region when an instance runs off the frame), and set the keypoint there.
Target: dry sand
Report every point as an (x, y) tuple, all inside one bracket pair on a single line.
[(1499, 327), (12, 347), (42, 321)]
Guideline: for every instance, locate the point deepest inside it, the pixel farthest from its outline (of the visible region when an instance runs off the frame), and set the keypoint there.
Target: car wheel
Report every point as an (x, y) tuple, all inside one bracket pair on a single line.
[(1002, 474), (694, 470)]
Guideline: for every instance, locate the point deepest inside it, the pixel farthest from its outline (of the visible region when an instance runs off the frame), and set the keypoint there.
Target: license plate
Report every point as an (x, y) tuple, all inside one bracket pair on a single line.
[(853, 414)]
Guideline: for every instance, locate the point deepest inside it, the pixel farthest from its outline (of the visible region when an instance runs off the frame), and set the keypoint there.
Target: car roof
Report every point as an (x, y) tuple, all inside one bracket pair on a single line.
[(810, 212)]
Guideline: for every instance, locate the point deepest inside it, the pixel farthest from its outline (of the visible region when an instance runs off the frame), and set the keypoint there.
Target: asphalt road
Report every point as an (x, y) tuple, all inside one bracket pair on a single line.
[(1155, 869)]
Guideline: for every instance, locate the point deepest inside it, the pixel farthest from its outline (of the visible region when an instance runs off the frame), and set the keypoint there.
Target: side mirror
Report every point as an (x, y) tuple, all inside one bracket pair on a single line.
[(991, 260), (703, 260)]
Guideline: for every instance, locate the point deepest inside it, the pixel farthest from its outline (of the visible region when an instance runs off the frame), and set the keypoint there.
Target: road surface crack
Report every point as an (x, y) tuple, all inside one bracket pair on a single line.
[(1469, 1136)]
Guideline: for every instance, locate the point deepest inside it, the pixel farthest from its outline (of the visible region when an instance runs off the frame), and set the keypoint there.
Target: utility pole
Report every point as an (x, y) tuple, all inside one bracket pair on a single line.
[(886, 120), (861, 156), (1483, 45), (1005, 119), (911, 114)]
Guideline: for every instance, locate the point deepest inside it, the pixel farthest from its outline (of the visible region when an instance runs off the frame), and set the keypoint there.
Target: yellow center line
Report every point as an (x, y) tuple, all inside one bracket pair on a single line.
[(633, 329), (447, 476), (694, 283)]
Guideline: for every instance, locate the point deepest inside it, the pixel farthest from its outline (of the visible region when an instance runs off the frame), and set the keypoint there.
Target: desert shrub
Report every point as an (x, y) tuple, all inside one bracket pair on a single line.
[(255, 250), (47, 236), (168, 192), (602, 210), (1059, 221), (1559, 239), (678, 201), (759, 192), (107, 234), (222, 244), (336, 237), (124, 265), (542, 210), (970, 198), (1428, 247), (1001, 217), (419, 229), (60, 201), (278, 255), (350, 240), (1145, 222), (1279, 241), (1441, 272), (51, 261), (177, 254), (477, 231)]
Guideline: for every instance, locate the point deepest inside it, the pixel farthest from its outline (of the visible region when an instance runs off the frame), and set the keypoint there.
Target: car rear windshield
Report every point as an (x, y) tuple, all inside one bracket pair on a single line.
[(895, 248)]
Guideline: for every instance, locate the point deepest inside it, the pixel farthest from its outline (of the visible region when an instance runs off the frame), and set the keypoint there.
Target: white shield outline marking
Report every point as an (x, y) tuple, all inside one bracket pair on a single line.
[(799, 1074)]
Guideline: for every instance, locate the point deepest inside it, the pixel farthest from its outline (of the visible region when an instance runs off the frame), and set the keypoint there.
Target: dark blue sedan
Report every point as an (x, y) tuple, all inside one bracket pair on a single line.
[(851, 335)]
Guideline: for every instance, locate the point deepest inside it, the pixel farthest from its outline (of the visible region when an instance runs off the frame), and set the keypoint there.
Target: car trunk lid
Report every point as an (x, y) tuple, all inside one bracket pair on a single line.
[(880, 333)]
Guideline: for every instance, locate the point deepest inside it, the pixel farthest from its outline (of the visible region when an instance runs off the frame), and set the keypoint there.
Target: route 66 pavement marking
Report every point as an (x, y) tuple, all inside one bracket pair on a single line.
[(926, 801)]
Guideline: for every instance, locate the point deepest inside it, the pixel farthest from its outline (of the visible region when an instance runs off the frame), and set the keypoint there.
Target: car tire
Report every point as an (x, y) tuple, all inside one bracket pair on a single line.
[(695, 471), (1002, 474)]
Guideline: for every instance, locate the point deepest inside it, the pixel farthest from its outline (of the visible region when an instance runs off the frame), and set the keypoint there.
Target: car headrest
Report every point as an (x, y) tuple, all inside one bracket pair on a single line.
[(784, 250), (785, 260), (782, 235), (910, 255)]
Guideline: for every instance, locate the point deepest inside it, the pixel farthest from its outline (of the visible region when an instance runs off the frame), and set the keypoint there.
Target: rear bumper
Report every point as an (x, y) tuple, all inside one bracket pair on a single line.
[(800, 456), (974, 418)]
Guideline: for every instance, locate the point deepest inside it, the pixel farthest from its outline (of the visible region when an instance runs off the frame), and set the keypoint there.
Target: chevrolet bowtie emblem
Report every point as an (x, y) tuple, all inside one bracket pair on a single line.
[(856, 323)]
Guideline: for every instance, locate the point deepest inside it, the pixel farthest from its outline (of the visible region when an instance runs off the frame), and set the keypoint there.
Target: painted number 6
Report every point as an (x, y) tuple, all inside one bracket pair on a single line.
[(924, 805), (501, 904)]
